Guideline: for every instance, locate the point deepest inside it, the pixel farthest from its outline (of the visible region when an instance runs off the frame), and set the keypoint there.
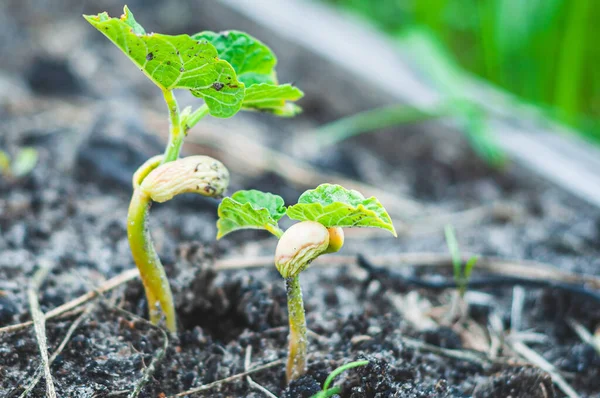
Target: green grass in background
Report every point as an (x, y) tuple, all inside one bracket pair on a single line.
[(544, 51)]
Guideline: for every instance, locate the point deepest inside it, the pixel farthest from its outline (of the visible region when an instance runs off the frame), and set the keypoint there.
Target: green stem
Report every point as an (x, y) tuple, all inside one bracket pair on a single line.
[(158, 291), (176, 133), (330, 392), (296, 363), (274, 230), (342, 369), (194, 118)]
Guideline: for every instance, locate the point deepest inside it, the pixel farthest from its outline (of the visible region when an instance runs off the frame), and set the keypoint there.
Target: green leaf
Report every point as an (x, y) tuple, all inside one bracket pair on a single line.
[(454, 250), (250, 210), (176, 62), (329, 392), (262, 200), (252, 60), (457, 265), (336, 206), (469, 266), (467, 274), (24, 162), (271, 98), (254, 64)]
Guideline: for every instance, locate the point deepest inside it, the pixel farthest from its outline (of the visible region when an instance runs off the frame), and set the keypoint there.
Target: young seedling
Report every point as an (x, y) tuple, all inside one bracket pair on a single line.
[(230, 71), (462, 274), (462, 271), (322, 213), (330, 392)]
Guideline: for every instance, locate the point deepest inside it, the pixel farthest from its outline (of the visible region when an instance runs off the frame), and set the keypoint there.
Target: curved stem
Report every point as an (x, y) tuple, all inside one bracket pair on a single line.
[(158, 291), (274, 230), (156, 285), (296, 363), (341, 369), (194, 117), (176, 133), (145, 169)]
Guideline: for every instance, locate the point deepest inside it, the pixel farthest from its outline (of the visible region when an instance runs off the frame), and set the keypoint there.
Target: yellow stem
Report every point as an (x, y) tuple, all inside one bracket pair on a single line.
[(158, 291), (176, 133), (296, 363)]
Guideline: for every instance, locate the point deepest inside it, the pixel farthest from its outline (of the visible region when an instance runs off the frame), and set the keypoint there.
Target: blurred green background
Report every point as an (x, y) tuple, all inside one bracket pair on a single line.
[(545, 52)]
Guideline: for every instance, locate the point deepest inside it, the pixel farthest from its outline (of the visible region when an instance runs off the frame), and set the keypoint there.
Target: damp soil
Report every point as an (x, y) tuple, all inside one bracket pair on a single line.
[(91, 129)]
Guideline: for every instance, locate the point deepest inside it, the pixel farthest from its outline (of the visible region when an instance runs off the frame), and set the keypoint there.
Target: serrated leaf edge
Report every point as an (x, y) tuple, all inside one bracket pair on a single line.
[(274, 229)]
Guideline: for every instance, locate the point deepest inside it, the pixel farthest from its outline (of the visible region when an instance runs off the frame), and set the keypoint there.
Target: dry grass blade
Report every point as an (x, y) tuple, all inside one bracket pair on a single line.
[(516, 309), (57, 352), (251, 382), (584, 334), (539, 361), (496, 332), (209, 386), (476, 357), (105, 287), (39, 325)]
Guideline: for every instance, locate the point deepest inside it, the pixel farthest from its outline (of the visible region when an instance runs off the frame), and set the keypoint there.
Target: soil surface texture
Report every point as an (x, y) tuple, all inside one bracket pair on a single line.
[(93, 119)]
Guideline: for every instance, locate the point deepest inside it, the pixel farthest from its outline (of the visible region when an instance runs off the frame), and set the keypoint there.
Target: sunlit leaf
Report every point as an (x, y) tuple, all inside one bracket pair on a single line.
[(453, 248), (469, 267), (24, 162), (252, 60), (336, 206), (176, 62), (250, 210), (273, 99), (254, 64)]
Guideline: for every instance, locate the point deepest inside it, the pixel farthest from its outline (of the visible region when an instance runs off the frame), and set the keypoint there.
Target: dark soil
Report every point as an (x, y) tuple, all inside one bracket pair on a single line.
[(89, 125)]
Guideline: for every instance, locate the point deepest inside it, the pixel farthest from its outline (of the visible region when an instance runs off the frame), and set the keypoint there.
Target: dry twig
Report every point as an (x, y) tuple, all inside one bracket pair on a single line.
[(539, 361), (39, 325), (209, 386), (56, 353), (520, 348), (584, 334), (476, 357), (516, 309), (251, 382), (68, 306), (522, 268), (496, 333)]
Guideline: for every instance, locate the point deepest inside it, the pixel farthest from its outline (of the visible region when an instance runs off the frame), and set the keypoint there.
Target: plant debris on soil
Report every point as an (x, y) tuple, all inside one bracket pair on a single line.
[(96, 127)]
